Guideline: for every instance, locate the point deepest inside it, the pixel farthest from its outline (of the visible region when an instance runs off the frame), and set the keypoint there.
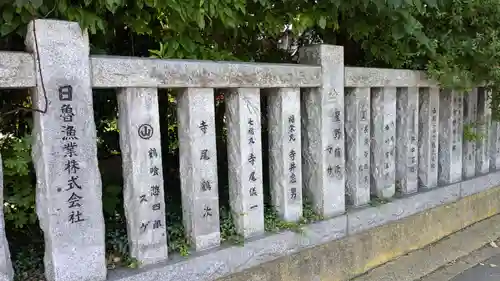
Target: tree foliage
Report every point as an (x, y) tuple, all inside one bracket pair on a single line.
[(456, 40)]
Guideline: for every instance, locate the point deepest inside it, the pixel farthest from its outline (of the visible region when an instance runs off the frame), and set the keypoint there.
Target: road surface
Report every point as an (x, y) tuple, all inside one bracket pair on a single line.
[(488, 270)]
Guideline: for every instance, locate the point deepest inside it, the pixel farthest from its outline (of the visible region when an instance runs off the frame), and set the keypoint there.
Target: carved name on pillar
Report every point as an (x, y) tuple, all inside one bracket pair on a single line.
[(469, 145), (323, 131), (450, 137), (383, 110), (143, 191), (69, 186), (407, 144), (483, 130), (357, 112), (428, 137), (198, 167), (284, 149), (245, 161)]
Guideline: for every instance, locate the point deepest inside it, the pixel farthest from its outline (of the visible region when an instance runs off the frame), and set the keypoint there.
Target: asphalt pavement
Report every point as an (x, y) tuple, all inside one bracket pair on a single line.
[(488, 270)]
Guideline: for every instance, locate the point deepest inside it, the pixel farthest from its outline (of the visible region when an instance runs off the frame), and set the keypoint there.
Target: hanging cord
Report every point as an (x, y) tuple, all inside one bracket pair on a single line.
[(42, 84)]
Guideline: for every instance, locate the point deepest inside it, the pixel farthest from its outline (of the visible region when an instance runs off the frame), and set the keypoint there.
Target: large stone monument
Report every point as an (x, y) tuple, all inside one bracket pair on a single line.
[(69, 194)]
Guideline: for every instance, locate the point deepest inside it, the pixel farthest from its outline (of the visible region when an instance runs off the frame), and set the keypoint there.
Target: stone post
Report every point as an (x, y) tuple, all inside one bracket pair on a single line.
[(143, 193), (198, 167), (6, 271), (406, 140), (450, 137), (69, 187), (285, 165), (383, 142), (494, 145), (470, 125), (357, 127), (428, 137), (483, 130), (494, 141), (323, 131), (245, 160)]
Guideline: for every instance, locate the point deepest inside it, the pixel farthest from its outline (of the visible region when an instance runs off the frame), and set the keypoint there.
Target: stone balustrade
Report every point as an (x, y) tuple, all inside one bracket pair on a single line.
[(341, 135)]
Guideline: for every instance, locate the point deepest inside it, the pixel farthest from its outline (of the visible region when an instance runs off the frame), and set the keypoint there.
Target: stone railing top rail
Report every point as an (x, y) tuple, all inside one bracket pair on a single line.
[(17, 70), (385, 77)]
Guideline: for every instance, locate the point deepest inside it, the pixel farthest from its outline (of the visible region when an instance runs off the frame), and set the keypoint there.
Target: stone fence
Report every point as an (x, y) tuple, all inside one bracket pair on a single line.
[(352, 134)]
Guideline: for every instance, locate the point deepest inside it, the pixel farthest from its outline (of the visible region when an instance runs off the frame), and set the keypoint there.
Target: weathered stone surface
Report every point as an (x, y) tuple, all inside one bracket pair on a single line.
[(323, 131), (234, 259), (69, 191), (428, 135), (113, 72), (406, 140), (6, 271), (494, 145), (469, 146), (245, 160), (432, 206), (17, 70), (361, 220), (143, 191), (385, 77), (357, 128), (483, 130), (383, 130), (198, 166), (479, 184), (285, 165), (450, 137)]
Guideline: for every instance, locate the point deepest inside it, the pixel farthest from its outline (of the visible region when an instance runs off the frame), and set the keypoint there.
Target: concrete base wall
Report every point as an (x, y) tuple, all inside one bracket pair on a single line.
[(353, 255), (342, 247)]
